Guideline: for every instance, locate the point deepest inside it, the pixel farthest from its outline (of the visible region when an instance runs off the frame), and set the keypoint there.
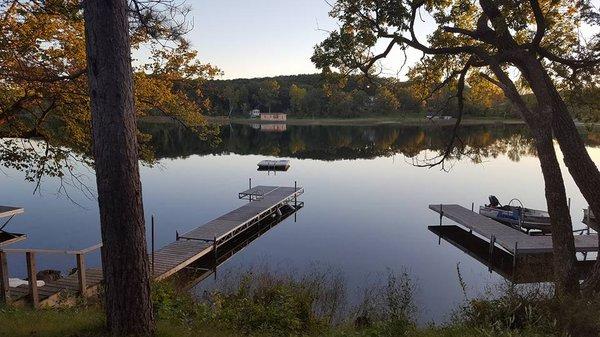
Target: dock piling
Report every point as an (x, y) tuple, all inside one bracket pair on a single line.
[(515, 255), (295, 194), (32, 279), (81, 280), (4, 287)]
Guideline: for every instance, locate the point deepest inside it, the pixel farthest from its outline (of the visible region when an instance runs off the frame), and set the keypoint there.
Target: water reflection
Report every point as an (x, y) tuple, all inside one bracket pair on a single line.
[(366, 214), (476, 142)]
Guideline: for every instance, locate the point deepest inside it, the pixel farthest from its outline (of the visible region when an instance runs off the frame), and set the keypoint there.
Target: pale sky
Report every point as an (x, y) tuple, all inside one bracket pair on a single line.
[(262, 38), (256, 38), (259, 38)]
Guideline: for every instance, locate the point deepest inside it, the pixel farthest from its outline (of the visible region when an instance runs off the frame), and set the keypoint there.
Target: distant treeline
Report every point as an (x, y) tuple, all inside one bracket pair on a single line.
[(315, 95)]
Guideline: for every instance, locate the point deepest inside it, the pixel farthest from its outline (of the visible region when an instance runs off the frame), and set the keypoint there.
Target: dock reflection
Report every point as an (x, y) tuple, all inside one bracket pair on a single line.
[(208, 266), (528, 268)]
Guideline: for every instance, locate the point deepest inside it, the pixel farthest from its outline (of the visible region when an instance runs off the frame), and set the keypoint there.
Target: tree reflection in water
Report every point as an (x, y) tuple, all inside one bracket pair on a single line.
[(478, 142)]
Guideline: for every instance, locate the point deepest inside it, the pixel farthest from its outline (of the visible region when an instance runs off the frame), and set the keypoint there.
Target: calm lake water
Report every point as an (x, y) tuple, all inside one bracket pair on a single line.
[(366, 202)]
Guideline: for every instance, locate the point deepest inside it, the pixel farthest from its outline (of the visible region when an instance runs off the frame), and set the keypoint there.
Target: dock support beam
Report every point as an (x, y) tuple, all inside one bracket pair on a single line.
[(515, 256), (491, 250), (32, 277), (4, 287), (81, 274)]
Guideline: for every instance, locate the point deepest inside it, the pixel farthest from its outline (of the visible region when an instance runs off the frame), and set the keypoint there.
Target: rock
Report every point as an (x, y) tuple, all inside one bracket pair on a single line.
[(48, 275)]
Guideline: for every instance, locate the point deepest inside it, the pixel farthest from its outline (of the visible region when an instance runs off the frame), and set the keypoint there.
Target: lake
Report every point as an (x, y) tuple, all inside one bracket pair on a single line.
[(366, 199)]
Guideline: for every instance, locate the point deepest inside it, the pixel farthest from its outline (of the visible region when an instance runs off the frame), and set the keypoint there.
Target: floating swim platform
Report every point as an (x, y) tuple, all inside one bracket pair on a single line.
[(274, 165)]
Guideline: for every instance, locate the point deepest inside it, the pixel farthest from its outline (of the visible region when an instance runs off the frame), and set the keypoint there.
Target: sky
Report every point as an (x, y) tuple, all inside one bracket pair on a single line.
[(261, 38)]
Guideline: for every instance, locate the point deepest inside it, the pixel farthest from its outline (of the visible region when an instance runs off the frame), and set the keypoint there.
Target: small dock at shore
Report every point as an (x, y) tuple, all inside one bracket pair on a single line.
[(266, 204), (513, 254), (510, 239)]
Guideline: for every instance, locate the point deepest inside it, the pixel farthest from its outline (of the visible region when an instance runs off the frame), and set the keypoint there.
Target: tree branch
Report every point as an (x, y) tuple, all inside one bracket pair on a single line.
[(539, 21)]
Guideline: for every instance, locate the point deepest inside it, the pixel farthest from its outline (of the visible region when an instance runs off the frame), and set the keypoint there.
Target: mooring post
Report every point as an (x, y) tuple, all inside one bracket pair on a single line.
[(152, 230), (81, 274), (441, 213), (4, 287), (588, 219), (472, 207), (492, 241), (249, 188), (215, 248), (32, 277), (515, 255), (295, 195), (491, 252)]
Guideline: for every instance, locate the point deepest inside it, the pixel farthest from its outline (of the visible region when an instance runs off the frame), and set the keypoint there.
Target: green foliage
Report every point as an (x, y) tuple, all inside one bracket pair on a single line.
[(463, 31), (266, 304), (273, 307), (532, 309)]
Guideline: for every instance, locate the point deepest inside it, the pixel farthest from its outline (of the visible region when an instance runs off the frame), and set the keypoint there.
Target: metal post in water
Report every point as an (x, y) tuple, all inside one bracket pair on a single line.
[(295, 195), (249, 188), (441, 213), (472, 207), (515, 255), (152, 230)]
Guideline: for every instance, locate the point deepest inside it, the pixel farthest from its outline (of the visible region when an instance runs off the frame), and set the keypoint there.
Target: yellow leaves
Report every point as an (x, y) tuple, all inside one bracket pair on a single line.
[(483, 93), (43, 67)]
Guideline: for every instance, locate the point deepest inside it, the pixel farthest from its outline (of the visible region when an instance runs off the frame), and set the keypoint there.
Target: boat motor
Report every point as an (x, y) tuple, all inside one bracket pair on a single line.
[(493, 201)]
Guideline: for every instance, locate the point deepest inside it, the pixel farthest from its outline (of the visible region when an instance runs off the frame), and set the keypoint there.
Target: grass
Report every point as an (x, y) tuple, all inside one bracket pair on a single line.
[(268, 304)]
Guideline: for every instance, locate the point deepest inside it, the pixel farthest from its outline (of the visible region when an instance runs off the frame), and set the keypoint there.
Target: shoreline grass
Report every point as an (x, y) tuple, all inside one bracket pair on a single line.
[(269, 304)]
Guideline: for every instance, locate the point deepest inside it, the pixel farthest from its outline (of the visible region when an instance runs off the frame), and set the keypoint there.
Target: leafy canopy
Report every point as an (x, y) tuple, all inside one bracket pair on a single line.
[(43, 84)]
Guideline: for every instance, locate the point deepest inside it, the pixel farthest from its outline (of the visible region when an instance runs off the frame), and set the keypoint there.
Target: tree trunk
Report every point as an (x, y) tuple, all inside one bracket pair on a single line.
[(563, 245), (564, 260), (115, 149), (578, 161)]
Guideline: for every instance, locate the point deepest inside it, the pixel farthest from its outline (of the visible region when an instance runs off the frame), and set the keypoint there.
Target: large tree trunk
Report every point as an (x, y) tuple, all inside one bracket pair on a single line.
[(564, 260), (124, 257), (563, 246), (578, 161)]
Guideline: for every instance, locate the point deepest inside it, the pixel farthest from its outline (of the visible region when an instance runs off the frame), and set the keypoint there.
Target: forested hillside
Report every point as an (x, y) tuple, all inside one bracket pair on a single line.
[(315, 95)]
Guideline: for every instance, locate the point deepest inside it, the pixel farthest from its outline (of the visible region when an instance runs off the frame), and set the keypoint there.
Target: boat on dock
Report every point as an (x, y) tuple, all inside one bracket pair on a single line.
[(274, 165), (518, 217)]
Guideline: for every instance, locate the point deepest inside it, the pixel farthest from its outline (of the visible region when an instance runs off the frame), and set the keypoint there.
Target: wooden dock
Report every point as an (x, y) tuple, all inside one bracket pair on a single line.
[(510, 239), (204, 241), (520, 269)]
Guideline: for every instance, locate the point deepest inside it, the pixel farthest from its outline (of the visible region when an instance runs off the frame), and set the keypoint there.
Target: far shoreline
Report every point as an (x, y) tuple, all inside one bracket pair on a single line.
[(365, 121)]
